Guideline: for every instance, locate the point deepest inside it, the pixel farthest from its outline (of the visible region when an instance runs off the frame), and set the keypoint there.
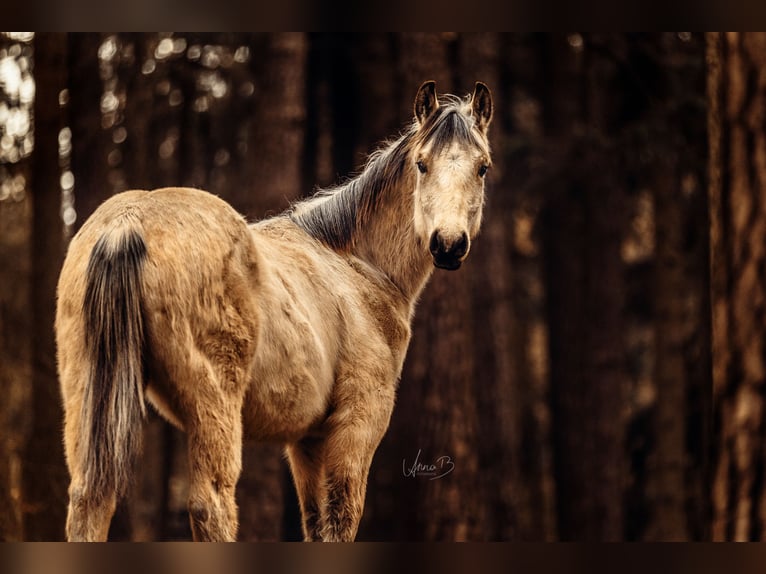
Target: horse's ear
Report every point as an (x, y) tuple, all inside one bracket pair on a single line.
[(425, 101), (481, 106)]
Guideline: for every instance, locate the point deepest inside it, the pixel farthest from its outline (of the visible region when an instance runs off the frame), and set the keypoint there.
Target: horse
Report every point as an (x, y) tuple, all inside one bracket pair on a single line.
[(291, 329)]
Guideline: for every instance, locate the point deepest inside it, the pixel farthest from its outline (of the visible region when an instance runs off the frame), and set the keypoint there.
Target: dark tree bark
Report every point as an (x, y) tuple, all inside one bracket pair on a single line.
[(272, 173), (15, 313), (737, 96), (585, 290), (318, 169), (509, 333), (90, 142), (15, 220), (45, 476), (676, 485), (376, 91), (520, 206), (173, 132), (666, 471), (141, 145)]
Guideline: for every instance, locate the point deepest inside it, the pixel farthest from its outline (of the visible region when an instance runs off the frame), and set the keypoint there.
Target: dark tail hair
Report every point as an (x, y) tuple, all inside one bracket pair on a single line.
[(113, 405)]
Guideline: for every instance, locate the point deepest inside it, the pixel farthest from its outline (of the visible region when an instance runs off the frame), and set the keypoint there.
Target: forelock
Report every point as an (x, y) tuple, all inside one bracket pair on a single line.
[(451, 123)]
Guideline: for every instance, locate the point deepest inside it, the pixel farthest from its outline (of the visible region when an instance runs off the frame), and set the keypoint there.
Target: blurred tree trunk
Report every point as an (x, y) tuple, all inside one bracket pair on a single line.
[(195, 158), (314, 174), (44, 471), (272, 174), (141, 142), (586, 291), (676, 478), (15, 315), (521, 203), (90, 142), (376, 94), (737, 95), (667, 464), (510, 339), (272, 177), (15, 221)]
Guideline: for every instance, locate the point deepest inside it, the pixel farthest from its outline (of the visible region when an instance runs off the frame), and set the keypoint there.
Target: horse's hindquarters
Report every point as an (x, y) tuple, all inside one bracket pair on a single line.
[(202, 320)]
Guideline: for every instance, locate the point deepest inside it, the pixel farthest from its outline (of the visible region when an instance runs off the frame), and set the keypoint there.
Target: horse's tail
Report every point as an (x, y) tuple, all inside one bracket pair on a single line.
[(113, 405)]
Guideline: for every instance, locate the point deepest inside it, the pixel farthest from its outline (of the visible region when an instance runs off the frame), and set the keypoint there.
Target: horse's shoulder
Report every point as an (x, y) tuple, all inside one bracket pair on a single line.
[(382, 304)]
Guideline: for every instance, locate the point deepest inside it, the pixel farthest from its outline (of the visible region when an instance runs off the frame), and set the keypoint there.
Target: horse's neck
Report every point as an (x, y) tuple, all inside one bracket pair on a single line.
[(389, 243)]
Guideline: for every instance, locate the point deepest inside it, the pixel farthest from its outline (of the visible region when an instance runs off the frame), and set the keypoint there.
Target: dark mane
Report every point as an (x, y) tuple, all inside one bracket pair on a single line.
[(333, 215)]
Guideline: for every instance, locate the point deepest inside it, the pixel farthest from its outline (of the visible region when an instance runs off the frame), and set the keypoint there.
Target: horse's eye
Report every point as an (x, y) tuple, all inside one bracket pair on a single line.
[(483, 170), (422, 167)]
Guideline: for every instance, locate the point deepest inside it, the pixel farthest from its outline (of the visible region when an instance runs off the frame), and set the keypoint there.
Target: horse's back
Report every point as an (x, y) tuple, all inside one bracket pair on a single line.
[(167, 217), (192, 238)]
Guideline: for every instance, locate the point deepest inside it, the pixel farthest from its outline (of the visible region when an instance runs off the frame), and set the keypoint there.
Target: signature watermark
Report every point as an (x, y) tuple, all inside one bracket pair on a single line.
[(441, 467)]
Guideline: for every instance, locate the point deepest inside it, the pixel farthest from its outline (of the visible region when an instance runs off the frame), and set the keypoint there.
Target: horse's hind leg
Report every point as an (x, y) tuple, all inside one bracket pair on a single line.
[(215, 460), (88, 518), (89, 513)]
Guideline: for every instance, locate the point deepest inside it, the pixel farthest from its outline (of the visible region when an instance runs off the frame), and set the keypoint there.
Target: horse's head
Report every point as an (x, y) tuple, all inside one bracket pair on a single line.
[(450, 158)]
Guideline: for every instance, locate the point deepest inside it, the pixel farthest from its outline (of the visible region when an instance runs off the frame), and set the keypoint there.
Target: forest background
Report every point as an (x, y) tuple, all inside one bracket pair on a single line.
[(596, 369)]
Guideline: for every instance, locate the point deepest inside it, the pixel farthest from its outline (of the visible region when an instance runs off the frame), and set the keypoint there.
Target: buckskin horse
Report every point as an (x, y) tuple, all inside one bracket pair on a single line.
[(291, 329)]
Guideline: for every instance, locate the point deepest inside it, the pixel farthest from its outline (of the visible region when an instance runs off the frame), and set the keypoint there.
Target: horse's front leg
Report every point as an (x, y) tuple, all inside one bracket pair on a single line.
[(355, 431)]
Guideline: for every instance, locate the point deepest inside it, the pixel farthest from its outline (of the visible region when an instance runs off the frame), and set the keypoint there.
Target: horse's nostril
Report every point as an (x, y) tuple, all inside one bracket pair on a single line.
[(435, 245), (460, 247)]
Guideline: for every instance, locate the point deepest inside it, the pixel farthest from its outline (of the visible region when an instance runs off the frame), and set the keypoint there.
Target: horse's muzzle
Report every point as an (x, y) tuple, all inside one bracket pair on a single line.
[(448, 253)]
